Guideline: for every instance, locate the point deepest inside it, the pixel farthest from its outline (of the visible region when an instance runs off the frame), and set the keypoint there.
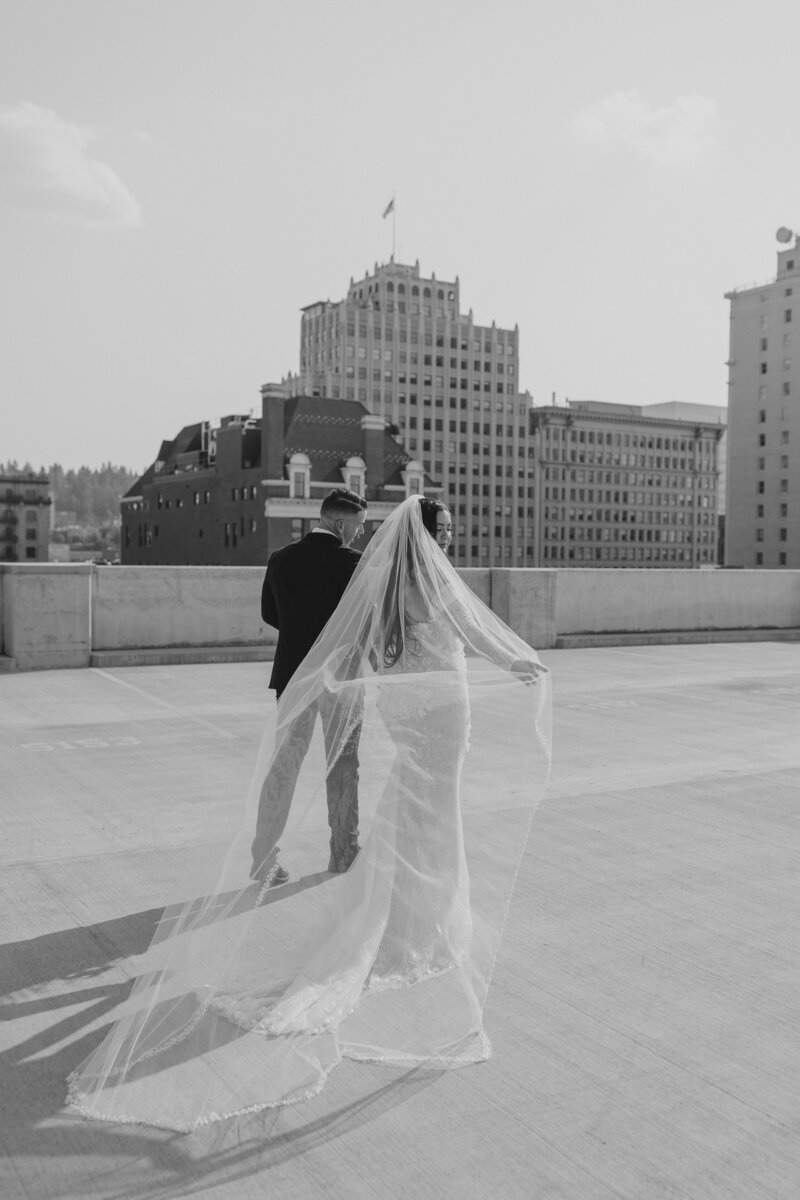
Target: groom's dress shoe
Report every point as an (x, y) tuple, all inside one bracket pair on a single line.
[(280, 875)]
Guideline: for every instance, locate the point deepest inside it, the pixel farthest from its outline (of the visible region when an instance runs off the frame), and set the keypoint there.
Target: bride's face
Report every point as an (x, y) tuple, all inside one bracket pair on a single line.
[(444, 529)]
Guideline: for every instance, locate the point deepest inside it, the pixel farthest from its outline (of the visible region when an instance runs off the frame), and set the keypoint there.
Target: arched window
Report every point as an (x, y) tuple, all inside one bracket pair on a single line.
[(401, 289), (427, 293), (415, 290), (390, 286), (440, 294)]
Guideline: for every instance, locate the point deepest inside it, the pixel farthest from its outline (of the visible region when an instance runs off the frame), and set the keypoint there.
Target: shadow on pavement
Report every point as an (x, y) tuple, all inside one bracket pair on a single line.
[(76, 1159)]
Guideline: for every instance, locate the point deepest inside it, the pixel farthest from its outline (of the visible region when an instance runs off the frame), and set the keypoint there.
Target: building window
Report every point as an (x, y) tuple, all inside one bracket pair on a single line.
[(299, 477), (30, 552), (787, 316), (414, 478), (354, 475)]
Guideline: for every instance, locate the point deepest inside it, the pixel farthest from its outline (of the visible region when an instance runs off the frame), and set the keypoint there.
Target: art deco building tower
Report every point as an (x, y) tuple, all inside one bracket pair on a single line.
[(400, 344)]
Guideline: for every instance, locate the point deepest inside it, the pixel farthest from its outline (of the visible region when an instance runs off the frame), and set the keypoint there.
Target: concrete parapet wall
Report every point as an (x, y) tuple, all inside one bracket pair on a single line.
[(60, 615), (525, 598), (618, 600), (479, 579), (146, 607), (47, 614)]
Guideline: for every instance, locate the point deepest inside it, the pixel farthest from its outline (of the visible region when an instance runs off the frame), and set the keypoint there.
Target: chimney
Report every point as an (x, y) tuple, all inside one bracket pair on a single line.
[(273, 396), (373, 429)]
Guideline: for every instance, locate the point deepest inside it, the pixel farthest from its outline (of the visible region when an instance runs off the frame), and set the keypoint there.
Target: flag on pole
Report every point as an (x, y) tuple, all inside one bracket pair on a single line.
[(389, 207)]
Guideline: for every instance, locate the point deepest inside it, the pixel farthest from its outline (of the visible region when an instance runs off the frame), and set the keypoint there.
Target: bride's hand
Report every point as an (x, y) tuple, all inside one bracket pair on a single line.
[(528, 671)]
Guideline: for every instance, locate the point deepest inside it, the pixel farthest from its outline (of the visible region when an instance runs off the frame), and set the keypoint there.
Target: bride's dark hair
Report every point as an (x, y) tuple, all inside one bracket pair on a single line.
[(429, 509), (393, 618)]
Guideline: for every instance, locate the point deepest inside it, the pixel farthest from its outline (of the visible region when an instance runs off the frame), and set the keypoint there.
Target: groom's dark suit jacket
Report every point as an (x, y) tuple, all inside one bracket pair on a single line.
[(303, 584)]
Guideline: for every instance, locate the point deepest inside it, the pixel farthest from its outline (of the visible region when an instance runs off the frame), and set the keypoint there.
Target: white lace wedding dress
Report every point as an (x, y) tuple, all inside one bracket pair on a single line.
[(246, 999)]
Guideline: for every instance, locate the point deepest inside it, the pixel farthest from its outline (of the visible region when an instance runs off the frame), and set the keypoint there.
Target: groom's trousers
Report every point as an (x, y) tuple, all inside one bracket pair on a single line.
[(341, 784)]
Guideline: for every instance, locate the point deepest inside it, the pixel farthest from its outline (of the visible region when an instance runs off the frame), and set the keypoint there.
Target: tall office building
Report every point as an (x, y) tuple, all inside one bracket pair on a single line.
[(763, 501), (621, 485), (400, 344)]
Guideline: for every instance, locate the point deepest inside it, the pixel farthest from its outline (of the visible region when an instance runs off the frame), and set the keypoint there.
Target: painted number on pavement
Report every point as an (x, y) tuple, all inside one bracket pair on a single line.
[(80, 744)]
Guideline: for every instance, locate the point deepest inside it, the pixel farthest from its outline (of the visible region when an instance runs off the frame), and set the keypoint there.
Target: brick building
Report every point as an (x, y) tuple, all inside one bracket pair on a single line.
[(25, 517), (233, 494)]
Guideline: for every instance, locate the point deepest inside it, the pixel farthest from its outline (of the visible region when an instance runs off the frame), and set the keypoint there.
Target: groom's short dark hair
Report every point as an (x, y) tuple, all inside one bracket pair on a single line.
[(341, 502)]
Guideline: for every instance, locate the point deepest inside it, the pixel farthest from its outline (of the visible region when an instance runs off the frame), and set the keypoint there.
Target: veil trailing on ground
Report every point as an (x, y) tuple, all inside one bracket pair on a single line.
[(250, 995)]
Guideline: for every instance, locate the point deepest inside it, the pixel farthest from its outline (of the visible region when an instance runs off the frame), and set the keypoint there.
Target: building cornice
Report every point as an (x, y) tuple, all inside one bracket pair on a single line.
[(570, 416)]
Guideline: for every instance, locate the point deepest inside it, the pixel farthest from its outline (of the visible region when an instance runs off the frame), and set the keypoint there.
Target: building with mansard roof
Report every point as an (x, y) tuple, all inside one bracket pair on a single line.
[(230, 495)]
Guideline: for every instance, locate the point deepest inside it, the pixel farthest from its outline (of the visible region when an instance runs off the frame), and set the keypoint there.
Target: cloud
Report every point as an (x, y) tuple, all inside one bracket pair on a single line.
[(675, 136), (46, 169)]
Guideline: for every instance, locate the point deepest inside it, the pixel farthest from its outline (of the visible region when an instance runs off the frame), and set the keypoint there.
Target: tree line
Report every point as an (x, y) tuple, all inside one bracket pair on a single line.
[(92, 494)]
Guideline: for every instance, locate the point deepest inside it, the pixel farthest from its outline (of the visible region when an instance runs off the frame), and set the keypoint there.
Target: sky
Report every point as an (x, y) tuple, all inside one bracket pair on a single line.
[(178, 178)]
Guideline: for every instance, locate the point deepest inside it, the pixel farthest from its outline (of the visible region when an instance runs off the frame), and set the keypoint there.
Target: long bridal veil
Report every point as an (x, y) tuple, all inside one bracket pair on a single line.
[(251, 993)]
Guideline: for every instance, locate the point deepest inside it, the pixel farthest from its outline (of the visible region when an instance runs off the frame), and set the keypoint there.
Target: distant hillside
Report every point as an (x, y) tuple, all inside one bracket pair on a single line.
[(92, 494)]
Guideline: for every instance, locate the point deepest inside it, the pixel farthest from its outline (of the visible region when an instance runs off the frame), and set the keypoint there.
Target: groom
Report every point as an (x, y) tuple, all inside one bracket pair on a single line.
[(303, 585)]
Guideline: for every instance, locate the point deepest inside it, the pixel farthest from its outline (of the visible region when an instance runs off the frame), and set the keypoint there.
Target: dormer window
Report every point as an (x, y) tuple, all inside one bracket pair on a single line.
[(414, 478), (300, 477), (354, 474)]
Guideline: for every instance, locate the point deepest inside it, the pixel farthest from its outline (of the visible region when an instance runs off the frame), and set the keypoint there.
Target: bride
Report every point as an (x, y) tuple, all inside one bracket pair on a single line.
[(249, 996)]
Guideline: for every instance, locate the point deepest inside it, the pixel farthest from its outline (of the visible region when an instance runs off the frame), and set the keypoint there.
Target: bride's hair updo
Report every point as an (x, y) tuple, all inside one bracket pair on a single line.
[(429, 509)]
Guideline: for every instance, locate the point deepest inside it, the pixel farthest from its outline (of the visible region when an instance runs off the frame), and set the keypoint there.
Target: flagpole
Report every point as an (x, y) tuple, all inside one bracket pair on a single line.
[(390, 210)]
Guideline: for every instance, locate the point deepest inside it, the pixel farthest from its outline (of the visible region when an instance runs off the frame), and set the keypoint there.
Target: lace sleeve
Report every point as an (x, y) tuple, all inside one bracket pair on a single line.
[(478, 638)]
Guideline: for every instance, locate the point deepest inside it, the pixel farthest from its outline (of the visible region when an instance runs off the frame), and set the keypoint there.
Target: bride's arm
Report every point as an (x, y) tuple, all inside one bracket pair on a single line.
[(483, 642)]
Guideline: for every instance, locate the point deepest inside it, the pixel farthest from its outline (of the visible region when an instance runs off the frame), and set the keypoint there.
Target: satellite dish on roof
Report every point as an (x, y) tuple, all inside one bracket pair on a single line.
[(784, 234)]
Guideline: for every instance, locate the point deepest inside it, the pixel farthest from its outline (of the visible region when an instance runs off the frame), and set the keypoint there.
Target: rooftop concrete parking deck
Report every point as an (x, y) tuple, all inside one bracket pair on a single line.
[(645, 1010)]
